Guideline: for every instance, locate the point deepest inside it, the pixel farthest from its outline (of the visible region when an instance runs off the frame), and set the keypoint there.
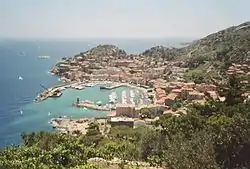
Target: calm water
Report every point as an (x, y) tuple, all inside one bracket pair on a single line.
[(19, 58)]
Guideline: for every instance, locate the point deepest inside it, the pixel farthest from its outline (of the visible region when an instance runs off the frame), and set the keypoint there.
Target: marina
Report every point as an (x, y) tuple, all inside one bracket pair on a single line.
[(129, 96), (135, 95)]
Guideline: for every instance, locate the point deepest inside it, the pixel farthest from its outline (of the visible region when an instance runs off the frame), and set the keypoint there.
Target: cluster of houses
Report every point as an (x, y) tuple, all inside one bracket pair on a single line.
[(238, 69), (167, 93), (107, 62)]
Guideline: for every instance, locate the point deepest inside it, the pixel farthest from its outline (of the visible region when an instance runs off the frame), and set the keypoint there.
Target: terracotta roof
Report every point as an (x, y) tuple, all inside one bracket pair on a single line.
[(176, 91), (172, 96)]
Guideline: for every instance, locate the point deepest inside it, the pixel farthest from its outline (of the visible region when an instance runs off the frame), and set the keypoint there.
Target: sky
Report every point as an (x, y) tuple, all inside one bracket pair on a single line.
[(119, 18)]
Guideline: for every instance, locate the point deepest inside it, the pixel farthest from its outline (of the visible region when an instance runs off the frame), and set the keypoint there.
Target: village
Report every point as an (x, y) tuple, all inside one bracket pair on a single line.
[(162, 80)]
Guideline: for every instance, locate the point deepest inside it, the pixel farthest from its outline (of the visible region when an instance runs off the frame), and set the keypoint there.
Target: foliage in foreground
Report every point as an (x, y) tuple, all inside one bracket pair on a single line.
[(210, 136)]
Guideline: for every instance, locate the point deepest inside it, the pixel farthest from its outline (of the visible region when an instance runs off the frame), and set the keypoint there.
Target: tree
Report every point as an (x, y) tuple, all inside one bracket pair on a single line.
[(194, 153), (232, 90)]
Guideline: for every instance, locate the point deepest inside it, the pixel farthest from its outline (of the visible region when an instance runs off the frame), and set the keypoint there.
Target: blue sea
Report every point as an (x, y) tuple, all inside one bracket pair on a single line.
[(19, 58)]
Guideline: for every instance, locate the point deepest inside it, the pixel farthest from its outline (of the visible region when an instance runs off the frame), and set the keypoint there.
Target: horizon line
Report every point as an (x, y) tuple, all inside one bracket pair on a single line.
[(97, 38)]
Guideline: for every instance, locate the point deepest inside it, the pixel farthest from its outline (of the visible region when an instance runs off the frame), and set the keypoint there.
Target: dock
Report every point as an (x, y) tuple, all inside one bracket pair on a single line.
[(92, 106), (112, 87), (56, 90)]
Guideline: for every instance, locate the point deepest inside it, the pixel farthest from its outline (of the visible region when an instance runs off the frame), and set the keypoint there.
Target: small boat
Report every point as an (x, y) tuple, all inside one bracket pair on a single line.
[(21, 112), (22, 54), (89, 85), (99, 103), (132, 94), (84, 108), (20, 78), (114, 95), (49, 113), (102, 87), (43, 57), (112, 101)]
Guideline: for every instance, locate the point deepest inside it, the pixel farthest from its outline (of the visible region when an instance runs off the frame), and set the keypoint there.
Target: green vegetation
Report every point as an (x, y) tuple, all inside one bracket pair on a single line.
[(210, 136)]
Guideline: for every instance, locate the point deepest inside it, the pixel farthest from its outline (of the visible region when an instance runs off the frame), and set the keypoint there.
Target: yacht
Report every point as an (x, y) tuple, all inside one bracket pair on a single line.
[(132, 94), (89, 85), (132, 100), (114, 95), (124, 97), (111, 99), (79, 87)]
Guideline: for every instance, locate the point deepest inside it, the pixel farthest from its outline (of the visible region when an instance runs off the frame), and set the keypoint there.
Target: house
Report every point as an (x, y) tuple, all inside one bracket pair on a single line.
[(126, 110), (177, 92), (195, 95), (170, 99)]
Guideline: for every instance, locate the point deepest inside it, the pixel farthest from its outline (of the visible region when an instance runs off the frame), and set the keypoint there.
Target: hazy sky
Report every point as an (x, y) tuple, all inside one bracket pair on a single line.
[(119, 18)]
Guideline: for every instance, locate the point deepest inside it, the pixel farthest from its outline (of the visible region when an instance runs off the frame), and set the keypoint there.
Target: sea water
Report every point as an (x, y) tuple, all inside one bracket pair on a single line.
[(18, 112)]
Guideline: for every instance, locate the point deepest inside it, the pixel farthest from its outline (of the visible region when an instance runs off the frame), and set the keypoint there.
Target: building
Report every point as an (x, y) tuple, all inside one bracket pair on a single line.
[(212, 94), (121, 121), (126, 110), (170, 99), (195, 95), (205, 87)]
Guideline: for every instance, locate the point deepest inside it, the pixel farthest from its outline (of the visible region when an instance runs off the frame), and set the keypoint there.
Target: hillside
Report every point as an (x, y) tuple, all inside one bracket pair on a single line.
[(105, 51), (162, 52), (226, 46)]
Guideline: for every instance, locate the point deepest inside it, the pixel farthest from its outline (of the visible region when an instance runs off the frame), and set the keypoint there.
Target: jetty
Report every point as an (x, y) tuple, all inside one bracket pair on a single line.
[(91, 105), (54, 91)]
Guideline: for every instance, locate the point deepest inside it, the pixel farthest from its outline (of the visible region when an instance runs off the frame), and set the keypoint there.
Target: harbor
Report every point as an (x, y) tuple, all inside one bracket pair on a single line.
[(126, 96), (56, 90)]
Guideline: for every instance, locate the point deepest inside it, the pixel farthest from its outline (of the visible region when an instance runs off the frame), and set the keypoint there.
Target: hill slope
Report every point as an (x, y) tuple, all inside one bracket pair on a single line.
[(228, 45)]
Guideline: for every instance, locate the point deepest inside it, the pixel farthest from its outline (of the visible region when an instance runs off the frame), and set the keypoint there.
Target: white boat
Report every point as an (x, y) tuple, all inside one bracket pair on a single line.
[(141, 101), (112, 101), (114, 95), (89, 85), (99, 103), (21, 112), (79, 87), (84, 108), (62, 88), (20, 78), (132, 100), (132, 94), (22, 54), (49, 114), (43, 57)]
